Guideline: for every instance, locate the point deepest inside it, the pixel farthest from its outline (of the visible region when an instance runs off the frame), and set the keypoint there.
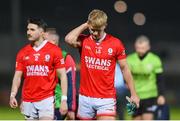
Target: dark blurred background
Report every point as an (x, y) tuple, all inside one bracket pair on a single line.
[(157, 19)]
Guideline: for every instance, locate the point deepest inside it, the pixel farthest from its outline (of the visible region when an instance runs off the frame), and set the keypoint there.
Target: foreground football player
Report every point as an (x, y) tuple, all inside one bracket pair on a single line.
[(99, 52)]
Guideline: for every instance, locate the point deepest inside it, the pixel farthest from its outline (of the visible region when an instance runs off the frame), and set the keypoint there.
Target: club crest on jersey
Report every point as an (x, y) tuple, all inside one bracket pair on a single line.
[(62, 61), (110, 51), (47, 57), (36, 56)]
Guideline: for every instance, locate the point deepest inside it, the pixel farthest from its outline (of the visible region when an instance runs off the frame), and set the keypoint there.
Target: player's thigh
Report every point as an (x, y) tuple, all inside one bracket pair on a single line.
[(147, 106), (45, 108), (28, 110), (146, 110), (85, 108), (147, 116), (139, 117), (106, 108), (106, 118)]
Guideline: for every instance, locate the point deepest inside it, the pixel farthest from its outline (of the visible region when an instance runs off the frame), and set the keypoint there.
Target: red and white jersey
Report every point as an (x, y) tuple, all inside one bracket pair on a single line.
[(98, 62), (39, 69)]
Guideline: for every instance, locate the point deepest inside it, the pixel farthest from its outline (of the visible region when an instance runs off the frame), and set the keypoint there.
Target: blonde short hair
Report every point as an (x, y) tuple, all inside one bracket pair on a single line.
[(97, 18)]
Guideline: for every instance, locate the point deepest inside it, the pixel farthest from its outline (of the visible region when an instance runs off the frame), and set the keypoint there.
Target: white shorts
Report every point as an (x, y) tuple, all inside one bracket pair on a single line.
[(37, 110), (90, 107)]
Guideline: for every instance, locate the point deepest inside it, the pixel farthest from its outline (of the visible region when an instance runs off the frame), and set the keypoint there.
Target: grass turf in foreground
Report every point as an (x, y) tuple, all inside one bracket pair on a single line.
[(7, 113)]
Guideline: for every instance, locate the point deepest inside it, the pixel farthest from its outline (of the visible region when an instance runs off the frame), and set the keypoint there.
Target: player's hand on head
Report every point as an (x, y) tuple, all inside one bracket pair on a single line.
[(64, 107), (13, 102), (135, 99)]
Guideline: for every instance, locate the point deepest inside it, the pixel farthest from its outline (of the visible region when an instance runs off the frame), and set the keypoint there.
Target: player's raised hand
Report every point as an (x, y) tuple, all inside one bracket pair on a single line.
[(64, 108), (13, 102)]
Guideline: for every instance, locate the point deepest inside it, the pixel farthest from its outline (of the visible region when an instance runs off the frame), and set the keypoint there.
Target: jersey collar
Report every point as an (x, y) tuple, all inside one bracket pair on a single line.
[(100, 40), (40, 46)]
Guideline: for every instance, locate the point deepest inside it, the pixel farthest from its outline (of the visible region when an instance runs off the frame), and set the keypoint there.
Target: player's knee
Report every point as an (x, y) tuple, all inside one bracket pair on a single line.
[(106, 118)]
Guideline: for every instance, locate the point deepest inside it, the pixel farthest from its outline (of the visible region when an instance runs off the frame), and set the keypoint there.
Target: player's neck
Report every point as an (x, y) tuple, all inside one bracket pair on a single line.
[(101, 38), (38, 42), (143, 56)]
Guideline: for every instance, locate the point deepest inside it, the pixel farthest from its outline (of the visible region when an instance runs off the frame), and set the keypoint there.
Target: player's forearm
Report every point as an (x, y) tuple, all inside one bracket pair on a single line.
[(64, 86), (15, 85), (72, 37), (129, 80)]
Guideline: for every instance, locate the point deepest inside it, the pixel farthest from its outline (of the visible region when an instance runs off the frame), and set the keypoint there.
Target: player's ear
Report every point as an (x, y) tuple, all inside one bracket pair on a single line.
[(87, 22), (149, 46), (44, 34), (105, 26)]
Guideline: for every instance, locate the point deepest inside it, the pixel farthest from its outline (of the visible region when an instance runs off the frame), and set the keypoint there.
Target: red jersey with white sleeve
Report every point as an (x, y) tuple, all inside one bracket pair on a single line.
[(39, 69), (98, 62)]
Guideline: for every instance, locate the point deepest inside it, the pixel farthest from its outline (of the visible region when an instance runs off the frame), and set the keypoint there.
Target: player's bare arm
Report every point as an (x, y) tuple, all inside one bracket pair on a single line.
[(62, 74), (129, 80), (72, 37), (15, 86)]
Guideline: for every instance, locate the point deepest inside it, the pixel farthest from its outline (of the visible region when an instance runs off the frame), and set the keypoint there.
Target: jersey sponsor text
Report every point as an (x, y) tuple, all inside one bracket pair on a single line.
[(97, 63), (37, 70)]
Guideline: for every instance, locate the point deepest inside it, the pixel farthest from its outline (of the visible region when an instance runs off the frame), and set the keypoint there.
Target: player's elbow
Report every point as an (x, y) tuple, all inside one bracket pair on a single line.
[(69, 39)]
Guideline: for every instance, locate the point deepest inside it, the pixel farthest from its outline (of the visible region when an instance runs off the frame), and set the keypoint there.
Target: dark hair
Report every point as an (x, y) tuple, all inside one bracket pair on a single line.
[(38, 21)]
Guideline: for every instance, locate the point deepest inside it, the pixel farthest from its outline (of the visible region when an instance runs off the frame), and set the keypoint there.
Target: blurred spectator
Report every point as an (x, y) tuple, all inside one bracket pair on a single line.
[(52, 36), (146, 68)]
